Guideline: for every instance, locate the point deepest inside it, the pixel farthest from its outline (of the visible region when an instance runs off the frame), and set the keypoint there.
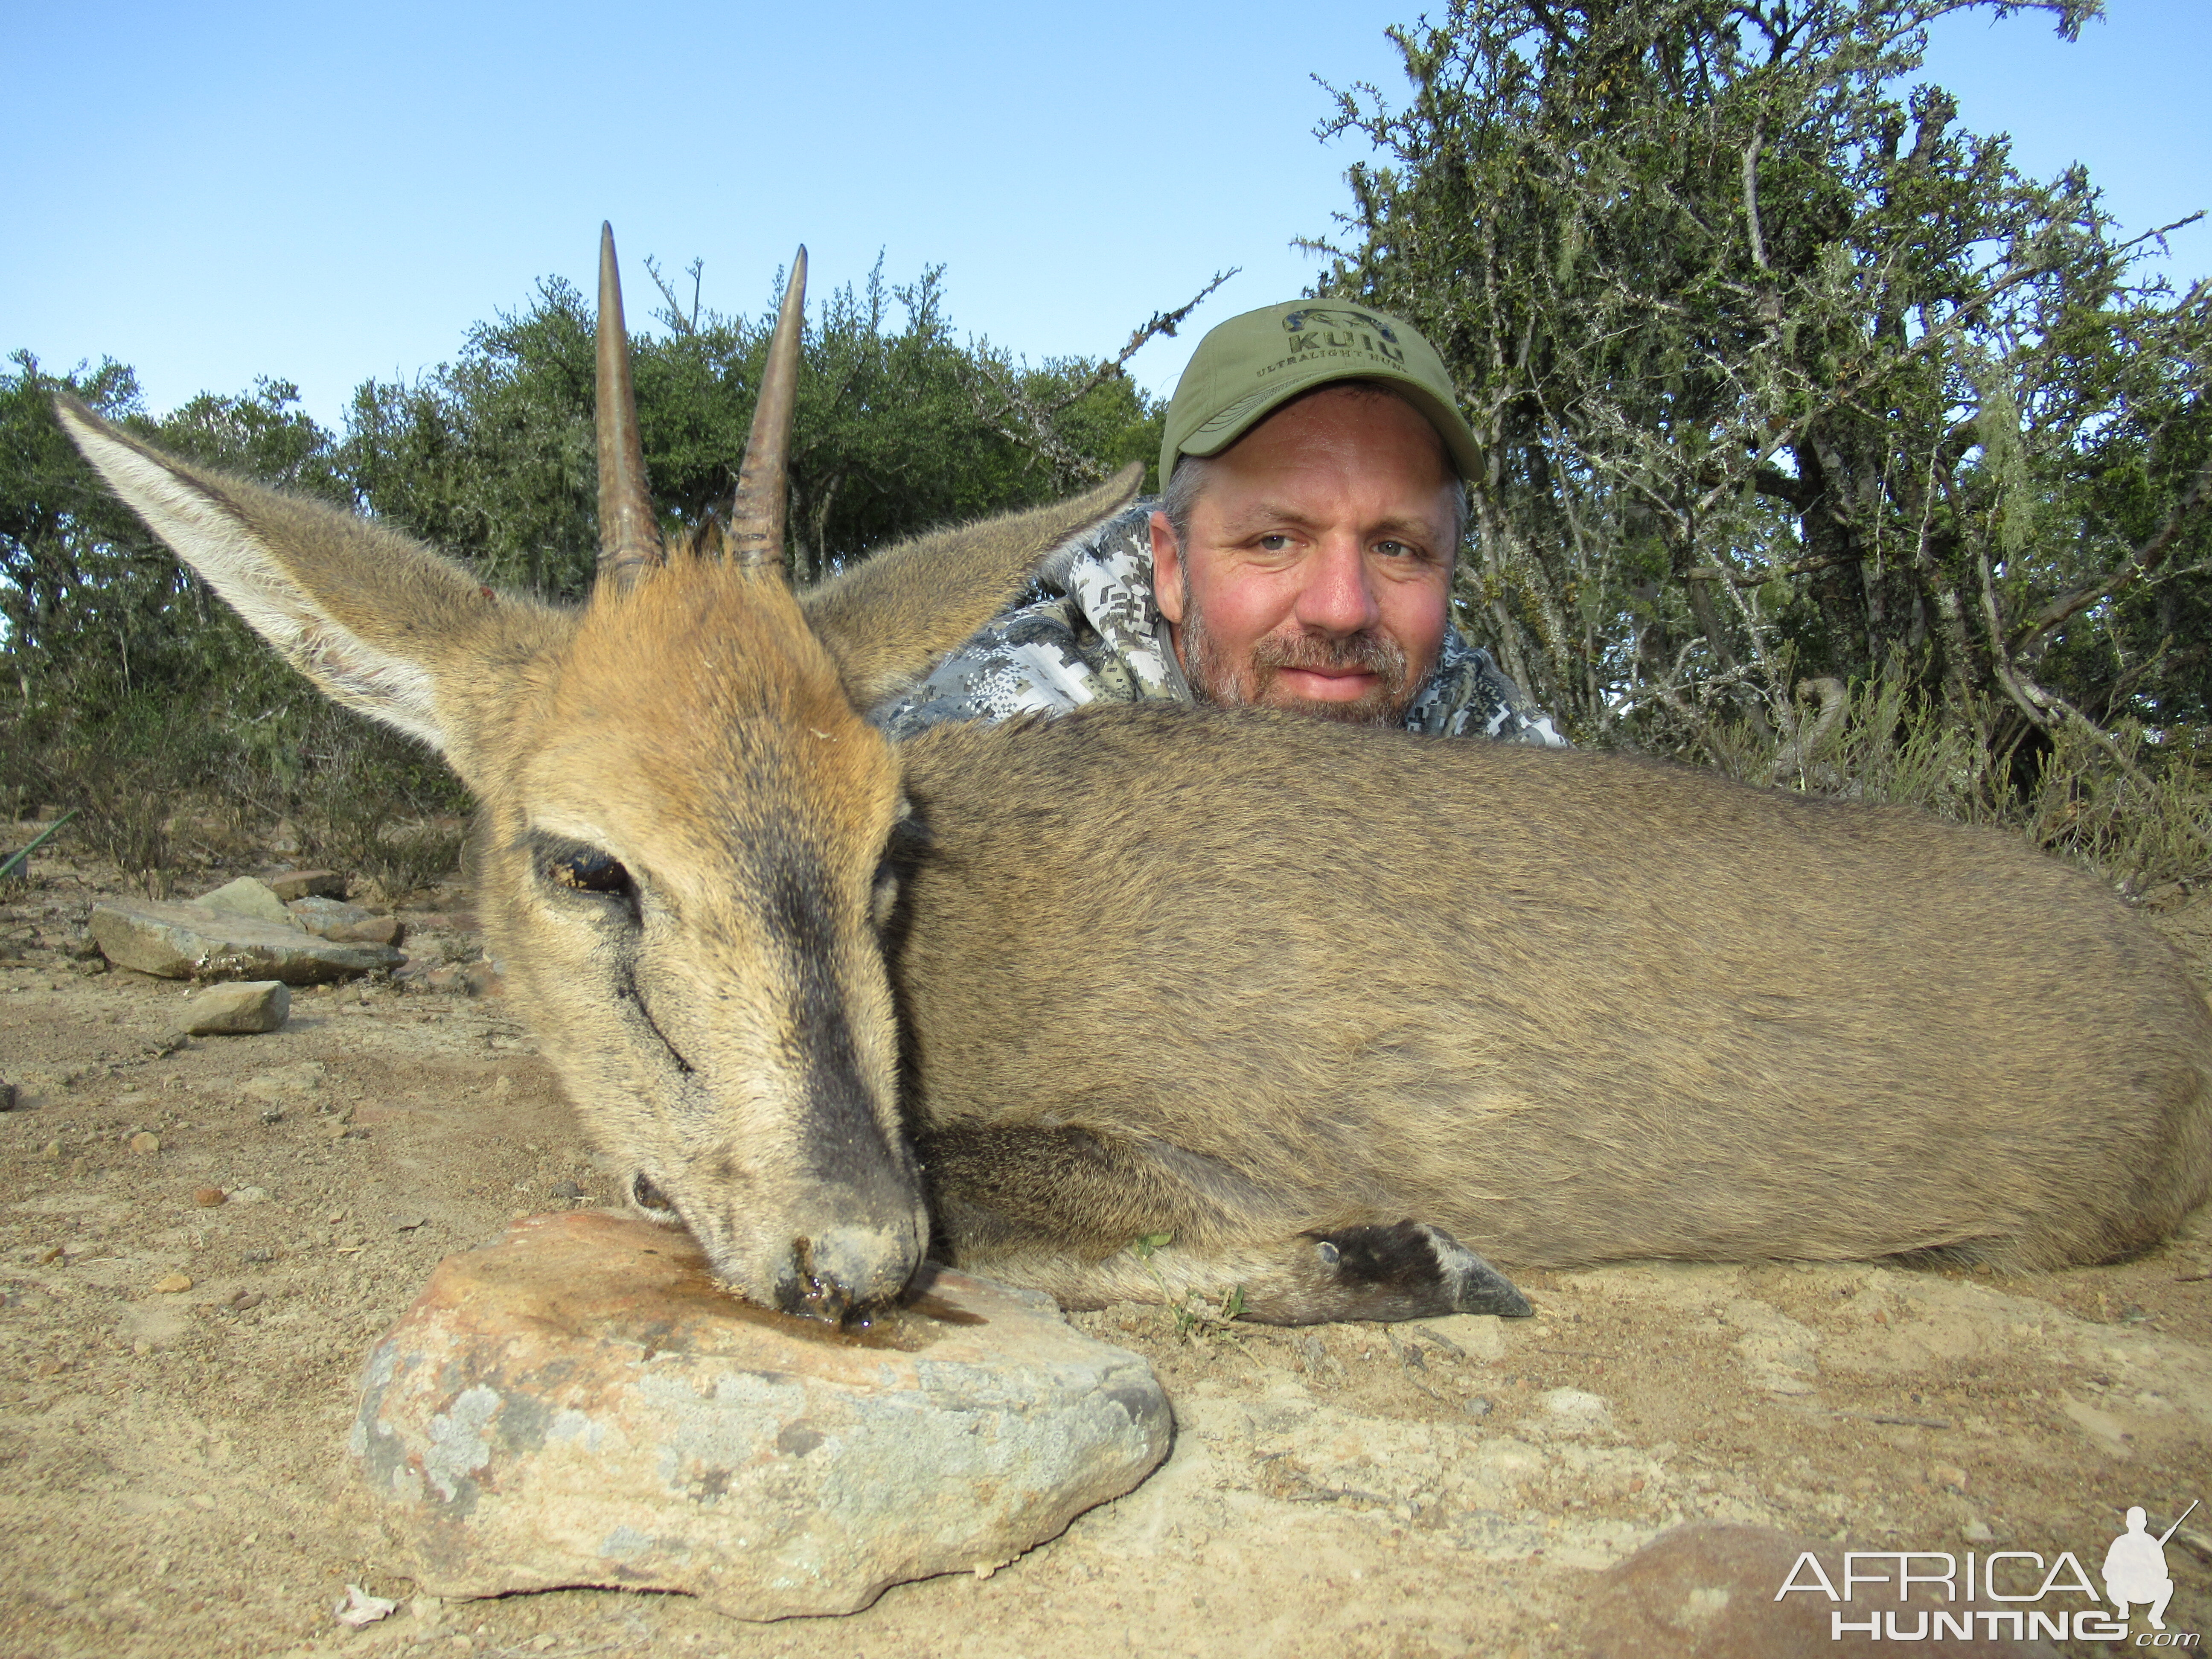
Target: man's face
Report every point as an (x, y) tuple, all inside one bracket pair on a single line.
[(1318, 568)]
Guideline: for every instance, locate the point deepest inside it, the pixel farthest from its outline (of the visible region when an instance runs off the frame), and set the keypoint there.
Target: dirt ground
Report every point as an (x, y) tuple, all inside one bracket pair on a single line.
[(171, 1460)]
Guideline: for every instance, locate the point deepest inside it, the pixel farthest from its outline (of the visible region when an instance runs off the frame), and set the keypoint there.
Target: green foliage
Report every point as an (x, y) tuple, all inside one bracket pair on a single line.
[(1779, 373), (899, 426)]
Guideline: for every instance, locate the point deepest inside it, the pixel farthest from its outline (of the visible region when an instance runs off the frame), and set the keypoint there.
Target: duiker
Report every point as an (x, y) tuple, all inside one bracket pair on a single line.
[(1161, 1002)]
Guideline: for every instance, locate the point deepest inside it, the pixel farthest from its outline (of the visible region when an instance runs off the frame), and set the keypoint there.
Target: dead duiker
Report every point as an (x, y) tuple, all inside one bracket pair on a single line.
[(1162, 1002)]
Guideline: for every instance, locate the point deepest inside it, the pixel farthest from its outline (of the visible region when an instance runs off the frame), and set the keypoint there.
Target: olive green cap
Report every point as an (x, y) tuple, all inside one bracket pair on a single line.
[(1250, 366)]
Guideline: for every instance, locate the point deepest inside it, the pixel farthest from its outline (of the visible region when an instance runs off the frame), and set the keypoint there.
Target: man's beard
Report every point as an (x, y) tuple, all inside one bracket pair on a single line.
[(1216, 680)]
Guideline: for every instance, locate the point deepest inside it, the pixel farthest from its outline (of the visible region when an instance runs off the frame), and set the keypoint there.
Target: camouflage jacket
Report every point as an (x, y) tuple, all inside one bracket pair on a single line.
[(1097, 641)]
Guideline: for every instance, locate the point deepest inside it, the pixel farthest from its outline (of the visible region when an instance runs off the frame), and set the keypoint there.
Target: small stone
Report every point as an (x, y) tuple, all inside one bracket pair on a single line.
[(288, 1083), (566, 1189), (144, 1141), (1978, 1532), (51, 1151), (294, 885), (579, 1404), (246, 1300), (208, 1197), (242, 1008), (1475, 1405), (249, 1196), (7, 1095), (345, 923), (484, 979), (1573, 1411), (377, 930), (1948, 1475), (171, 1283), (248, 897)]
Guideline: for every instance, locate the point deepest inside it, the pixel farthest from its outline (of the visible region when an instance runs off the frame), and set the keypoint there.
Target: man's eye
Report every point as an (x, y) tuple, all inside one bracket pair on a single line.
[(589, 872)]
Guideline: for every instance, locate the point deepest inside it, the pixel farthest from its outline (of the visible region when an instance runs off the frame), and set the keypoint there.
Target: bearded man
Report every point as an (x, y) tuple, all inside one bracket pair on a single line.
[(1300, 556)]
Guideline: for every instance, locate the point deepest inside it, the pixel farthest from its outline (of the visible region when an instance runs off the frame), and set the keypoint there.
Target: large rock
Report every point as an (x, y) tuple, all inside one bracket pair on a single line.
[(241, 1009), (188, 941), (581, 1404)]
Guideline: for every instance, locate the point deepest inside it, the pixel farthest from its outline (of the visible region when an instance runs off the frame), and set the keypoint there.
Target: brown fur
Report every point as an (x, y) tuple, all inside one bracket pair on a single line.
[(1292, 996), (1569, 1007)]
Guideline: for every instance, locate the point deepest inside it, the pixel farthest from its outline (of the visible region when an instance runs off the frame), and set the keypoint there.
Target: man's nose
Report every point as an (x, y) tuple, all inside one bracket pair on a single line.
[(1339, 595)]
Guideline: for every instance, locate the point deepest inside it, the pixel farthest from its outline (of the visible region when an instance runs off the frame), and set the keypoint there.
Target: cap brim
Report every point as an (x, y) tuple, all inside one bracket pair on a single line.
[(1212, 437)]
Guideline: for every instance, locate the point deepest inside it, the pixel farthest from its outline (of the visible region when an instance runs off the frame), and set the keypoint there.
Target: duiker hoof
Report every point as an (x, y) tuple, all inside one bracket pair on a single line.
[(1409, 1270)]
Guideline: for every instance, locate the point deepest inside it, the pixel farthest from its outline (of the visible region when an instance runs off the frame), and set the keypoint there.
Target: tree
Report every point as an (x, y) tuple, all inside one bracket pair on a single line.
[(1779, 376), (492, 457)]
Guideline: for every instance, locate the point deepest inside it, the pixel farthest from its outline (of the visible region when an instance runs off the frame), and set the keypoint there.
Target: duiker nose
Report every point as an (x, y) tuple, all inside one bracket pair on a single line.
[(1338, 596), (849, 1265)]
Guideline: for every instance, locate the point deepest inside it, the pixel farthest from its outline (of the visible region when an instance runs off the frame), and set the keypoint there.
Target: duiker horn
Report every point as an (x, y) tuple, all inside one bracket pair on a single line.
[(629, 537), (755, 539)]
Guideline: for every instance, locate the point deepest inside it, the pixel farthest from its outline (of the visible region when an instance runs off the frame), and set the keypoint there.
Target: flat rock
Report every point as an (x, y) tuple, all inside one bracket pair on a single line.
[(248, 897), (239, 1009), (307, 883), (581, 1404), (183, 941), (346, 924), (1710, 1591)]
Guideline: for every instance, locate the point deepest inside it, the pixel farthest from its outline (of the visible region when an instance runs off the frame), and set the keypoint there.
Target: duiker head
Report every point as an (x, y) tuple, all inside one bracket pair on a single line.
[(685, 819)]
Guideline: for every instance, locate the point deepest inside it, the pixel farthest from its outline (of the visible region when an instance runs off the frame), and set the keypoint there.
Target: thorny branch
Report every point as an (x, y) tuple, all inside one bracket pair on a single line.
[(1000, 398), (2143, 561)]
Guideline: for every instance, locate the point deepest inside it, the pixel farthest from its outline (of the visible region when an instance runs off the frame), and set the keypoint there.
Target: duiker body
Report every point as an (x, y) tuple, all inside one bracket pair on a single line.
[(1321, 1007)]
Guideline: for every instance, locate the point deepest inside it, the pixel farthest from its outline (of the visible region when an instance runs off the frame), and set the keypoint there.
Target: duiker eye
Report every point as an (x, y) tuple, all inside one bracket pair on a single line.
[(588, 870)]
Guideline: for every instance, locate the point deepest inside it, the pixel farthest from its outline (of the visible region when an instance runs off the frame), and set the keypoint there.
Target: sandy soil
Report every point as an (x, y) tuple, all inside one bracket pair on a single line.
[(170, 1473)]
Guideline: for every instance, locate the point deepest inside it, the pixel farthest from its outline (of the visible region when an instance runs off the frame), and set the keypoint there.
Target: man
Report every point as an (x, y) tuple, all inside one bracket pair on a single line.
[(1300, 556)]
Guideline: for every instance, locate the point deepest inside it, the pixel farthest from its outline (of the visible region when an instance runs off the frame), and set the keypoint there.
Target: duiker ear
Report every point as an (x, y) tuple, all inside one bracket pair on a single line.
[(887, 621), (370, 617)]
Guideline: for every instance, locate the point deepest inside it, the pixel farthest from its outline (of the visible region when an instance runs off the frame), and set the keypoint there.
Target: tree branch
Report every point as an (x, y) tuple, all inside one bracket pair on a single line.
[(1751, 194), (2140, 563), (1163, 322)]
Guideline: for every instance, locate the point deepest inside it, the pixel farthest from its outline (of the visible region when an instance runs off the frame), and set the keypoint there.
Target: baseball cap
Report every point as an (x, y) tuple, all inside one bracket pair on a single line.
[(1250, 366)]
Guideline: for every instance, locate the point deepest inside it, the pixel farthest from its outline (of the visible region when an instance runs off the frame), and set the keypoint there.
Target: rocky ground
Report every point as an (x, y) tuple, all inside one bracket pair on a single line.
[(200, 1239)]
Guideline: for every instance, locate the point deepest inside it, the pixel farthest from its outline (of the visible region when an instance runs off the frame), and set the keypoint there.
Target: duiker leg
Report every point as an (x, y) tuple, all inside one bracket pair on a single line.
[(1093, 1218)]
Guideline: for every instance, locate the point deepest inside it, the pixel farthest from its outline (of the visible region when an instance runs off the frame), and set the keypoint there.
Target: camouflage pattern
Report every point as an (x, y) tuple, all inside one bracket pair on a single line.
[(1098, 639)]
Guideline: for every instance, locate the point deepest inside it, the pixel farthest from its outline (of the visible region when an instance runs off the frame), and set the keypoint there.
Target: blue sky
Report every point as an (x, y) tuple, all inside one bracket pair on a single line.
[(214, 192)]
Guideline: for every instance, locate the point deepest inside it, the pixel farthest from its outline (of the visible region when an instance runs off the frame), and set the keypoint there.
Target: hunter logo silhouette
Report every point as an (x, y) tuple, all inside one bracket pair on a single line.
[(2135, 1566)]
